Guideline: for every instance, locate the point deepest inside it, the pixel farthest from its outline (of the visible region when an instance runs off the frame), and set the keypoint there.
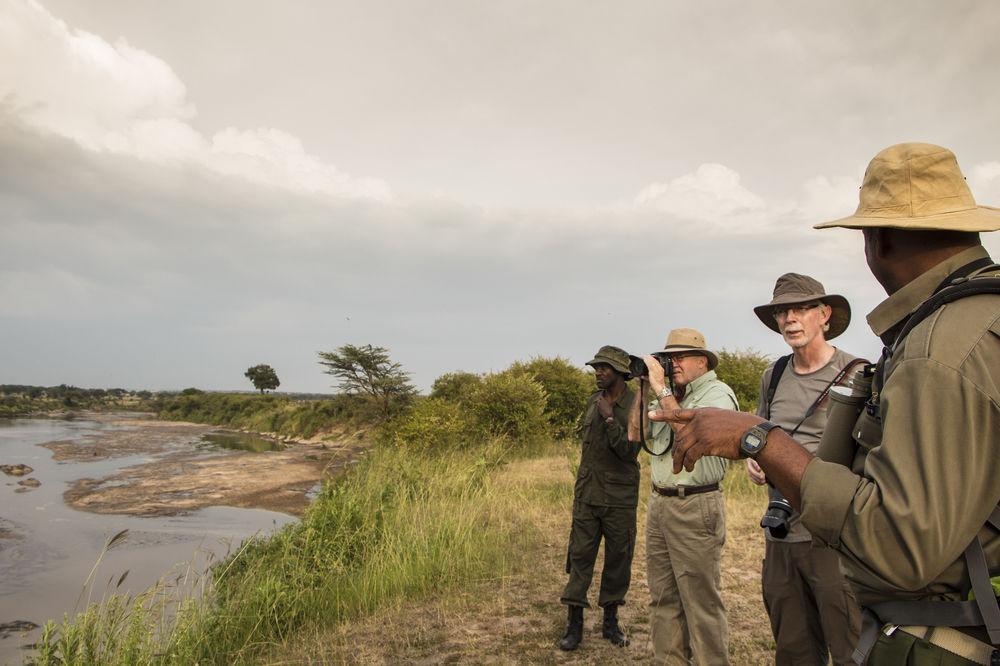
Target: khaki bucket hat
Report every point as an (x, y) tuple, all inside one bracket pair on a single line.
[(682, 340), (917, 186), (793, 288), (615, 357)]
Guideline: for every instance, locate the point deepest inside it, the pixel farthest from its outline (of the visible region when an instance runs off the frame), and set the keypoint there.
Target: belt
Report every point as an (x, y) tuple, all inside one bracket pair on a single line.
[(682, 491), (953, 641)]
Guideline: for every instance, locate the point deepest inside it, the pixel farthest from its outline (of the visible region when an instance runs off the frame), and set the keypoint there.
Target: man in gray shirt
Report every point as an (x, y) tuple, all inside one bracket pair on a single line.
[(810, 604)]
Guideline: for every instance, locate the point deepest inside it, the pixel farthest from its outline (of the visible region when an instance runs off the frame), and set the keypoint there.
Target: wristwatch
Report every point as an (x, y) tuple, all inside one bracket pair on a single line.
[(754, 439), (663, 392)]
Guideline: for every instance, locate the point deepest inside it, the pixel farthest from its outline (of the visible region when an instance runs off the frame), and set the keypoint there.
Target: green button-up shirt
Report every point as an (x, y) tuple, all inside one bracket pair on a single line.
[(705, 391), (609, 467), (904, 512)]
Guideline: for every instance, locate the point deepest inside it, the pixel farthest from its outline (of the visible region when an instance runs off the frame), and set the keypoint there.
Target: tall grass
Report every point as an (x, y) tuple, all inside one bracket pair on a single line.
[(399, 527)]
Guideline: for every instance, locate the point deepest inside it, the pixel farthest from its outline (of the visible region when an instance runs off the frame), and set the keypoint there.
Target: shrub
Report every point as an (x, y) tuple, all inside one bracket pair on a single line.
[(742, 369), (567, 388), (455, 386), (512, 405), (434, 425)]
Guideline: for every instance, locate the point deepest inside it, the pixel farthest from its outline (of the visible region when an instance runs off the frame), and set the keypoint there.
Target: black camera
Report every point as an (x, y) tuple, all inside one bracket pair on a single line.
[(779, 512), (637, 366)]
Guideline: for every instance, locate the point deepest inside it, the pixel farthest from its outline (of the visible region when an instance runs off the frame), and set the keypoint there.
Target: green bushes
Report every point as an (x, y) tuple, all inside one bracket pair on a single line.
[(455, 386), (434, 424), (510, 404), (742, 370), (567, 388), (267, 413)]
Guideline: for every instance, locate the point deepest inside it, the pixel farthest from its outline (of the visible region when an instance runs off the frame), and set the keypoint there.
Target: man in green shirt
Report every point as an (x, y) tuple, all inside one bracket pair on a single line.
[(914, 516), (604, 501), (686, 516)]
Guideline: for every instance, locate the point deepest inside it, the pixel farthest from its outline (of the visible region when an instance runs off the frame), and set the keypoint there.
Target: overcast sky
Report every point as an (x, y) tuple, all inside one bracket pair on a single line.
[(191, 188)]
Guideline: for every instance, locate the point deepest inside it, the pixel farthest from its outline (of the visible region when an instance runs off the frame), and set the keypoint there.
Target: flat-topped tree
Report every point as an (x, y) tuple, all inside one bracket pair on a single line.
[(368, 371)]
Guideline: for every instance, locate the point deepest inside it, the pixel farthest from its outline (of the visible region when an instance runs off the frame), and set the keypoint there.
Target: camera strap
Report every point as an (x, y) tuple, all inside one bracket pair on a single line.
[(641, 396)]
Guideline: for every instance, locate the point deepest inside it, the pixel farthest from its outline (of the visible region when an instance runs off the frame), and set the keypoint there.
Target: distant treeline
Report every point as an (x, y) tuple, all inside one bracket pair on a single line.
[(22, 400)]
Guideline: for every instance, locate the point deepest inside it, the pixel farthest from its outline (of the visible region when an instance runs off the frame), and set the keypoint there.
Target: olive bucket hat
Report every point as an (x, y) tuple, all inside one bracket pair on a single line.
[(681, 340), (792, 289), (917, 186), (613, 356)]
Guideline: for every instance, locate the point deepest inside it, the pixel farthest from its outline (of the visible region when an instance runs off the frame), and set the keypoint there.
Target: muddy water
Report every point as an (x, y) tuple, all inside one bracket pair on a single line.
[(47, 549)]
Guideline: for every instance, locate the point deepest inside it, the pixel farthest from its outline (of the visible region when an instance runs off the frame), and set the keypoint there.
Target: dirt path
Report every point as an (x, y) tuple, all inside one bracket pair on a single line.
[(516, 618), (181, 477)]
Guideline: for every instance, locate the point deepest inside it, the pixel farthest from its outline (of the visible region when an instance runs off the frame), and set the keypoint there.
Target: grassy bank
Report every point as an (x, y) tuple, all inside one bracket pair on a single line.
[(267, 413), (397, 528), (18, 400)]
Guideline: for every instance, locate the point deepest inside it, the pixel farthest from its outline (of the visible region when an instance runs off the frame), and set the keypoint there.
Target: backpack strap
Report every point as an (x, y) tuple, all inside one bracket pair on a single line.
[(776, 373)]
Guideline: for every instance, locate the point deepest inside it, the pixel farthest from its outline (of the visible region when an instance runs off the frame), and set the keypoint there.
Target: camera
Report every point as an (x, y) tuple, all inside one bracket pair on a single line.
[(779, 512), (637, 366)]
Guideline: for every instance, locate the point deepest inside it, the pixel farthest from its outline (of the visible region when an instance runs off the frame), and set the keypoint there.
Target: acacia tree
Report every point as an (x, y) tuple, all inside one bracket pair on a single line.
[(263, 376), (368, 371)]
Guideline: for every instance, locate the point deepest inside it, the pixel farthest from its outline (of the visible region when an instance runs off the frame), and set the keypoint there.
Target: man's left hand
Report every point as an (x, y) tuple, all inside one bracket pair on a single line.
[(708, 431), (657, 378), (604, 407)]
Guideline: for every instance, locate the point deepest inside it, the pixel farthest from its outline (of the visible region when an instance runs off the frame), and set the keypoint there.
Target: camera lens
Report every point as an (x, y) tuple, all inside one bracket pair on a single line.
[(779, 512)]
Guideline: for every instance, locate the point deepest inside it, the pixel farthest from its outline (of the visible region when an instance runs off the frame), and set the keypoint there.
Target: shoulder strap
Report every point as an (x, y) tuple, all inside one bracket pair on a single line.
[(776, 373)]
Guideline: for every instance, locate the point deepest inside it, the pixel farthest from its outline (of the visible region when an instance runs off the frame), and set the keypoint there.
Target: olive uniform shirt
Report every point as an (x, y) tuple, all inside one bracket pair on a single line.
[(609, 469), (903, 514), (705, 391)]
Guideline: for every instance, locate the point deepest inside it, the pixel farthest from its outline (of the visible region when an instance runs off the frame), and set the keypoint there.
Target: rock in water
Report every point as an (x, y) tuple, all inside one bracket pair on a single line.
[(16, 470)]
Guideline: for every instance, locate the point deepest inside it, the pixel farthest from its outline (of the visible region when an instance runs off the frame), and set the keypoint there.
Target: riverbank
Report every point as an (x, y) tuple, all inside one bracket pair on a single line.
[(181, 473)]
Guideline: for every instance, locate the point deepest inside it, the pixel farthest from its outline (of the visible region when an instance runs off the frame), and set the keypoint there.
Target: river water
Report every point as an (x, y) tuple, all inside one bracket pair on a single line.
[(49, 548)]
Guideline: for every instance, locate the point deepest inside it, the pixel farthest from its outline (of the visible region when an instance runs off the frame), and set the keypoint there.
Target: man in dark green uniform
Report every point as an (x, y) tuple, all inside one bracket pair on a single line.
[(604, 500)]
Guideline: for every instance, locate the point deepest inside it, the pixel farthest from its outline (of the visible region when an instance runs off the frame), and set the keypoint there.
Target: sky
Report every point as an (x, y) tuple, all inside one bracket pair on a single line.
[(188, 188)]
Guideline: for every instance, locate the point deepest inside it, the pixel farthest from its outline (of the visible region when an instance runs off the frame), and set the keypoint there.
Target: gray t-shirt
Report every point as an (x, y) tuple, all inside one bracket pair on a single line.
[(794, 395)]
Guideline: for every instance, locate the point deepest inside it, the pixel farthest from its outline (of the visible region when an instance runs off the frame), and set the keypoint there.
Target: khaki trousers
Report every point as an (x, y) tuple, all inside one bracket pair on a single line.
[(684, 539), (810, 603)]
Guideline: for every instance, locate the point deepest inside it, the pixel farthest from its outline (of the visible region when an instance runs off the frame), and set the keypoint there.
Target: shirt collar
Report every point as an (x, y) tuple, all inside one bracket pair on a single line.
[(893, 310), (698, 383)]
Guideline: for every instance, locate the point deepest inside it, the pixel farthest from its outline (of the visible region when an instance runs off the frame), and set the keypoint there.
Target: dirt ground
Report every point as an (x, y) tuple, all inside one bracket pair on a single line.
[(181, 478), (516, 618)]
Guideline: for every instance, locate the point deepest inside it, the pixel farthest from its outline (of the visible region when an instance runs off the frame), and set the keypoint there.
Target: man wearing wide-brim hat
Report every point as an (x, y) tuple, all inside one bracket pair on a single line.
[(914, 515), (686, 514), (604, 501), (814, 616)]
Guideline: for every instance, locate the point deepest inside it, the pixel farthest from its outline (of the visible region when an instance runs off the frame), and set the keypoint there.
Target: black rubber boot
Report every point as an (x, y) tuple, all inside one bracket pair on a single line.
[(611, 631), (574, 629)]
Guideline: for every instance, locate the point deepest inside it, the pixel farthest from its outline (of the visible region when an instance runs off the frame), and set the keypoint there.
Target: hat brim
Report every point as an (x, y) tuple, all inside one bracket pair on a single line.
[(978, 219), (607, 361), (840, 318), (713, 360)]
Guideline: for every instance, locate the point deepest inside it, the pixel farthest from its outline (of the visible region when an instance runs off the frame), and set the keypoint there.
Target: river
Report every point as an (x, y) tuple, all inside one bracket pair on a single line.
[(47, 548)]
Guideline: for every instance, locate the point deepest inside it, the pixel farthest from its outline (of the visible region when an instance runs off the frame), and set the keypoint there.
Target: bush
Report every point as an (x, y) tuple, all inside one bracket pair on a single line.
[(567, 388), (455, 386), (434, 425), (511, 405), (742, 370)]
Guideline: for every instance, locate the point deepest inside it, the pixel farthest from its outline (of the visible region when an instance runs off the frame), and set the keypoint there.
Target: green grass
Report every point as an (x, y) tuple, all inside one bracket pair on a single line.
[(397, 528)]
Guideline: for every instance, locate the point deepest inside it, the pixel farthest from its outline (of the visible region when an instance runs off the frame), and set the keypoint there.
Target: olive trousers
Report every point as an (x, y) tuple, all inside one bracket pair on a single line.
[(684, 539), (811, 605), (616, 524)]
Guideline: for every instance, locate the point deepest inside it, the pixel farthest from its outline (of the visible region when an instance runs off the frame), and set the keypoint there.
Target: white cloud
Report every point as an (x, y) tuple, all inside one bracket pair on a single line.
[(825, 198), (120, 99), (710, 194)]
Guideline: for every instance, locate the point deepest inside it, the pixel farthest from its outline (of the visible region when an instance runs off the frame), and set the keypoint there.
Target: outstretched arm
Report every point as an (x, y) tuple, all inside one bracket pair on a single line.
[(717, 432)]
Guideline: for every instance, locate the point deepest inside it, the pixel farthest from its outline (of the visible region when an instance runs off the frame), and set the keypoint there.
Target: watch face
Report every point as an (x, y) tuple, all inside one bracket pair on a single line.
[(753, 441)]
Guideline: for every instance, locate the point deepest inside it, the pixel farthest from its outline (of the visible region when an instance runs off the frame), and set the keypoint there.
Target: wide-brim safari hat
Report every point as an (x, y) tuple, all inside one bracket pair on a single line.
[(681, 340), (917, 186), (615, 357), (793, 289)]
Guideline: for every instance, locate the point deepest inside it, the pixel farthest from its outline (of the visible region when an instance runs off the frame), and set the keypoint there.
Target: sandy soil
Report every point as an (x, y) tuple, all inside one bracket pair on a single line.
[(181, 478)]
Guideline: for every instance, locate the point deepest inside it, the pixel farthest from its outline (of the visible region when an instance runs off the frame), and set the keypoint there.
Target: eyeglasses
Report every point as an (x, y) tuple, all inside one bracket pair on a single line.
[(677, 357), (781, 312)]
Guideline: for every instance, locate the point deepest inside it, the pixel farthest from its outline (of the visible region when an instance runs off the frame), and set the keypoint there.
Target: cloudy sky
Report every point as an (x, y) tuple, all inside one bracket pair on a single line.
[(190, 188)]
